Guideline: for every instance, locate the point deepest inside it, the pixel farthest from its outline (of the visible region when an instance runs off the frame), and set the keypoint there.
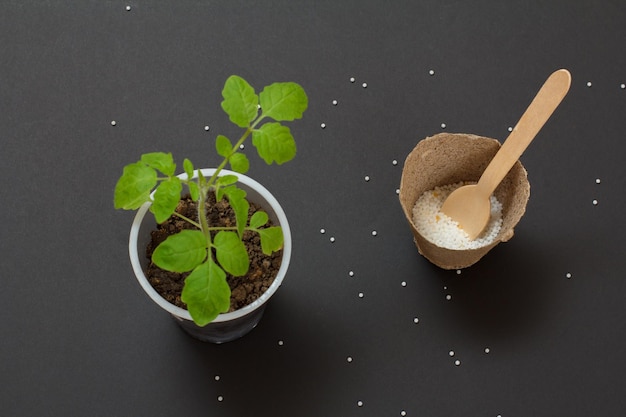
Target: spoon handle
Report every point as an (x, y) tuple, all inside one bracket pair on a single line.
[(541, 108)]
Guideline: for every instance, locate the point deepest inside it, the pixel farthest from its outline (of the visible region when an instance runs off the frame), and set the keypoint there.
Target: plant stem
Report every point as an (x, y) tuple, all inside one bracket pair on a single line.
[(204, 224), (205, 187), (221, 166), (187, 219)]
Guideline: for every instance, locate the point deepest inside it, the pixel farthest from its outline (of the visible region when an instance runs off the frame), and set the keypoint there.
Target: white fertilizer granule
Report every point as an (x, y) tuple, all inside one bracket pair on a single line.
[(444, 232)]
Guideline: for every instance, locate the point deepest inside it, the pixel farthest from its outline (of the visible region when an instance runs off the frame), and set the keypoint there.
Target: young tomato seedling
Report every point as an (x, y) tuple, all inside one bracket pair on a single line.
[(209, 252)]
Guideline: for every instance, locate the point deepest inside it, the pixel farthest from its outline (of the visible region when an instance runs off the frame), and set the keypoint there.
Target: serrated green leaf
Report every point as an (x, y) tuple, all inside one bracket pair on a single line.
[(274, 143), (240, 101), (239, 163), (166, 198), (194, 191), (224, 146), (271, 239), (283, 101), (181, 252), (258, 219), (163, 162), (206, 293), (188, 167), (134, 186), (239, 204), (231, 253)]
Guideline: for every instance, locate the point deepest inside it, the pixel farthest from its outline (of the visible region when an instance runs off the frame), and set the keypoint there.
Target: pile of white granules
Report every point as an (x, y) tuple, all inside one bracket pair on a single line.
[(444, 232)]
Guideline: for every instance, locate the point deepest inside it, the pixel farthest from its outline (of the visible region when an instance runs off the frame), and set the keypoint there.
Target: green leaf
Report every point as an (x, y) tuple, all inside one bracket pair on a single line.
[(283, 101), (271, 239), (226, 180), (231, 253), (274, 143), (237, 199), (222, 184), (258, 219), (240, 101), (188, 166), (181, 252), (224, 146), (194, 190), (161, 161), (239, 163), (201, 177), (134, 186), (206, 293), (166, 198)]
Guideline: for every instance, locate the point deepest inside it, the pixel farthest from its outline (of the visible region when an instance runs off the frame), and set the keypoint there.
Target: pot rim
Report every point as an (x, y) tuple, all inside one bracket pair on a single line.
[(224, 317)]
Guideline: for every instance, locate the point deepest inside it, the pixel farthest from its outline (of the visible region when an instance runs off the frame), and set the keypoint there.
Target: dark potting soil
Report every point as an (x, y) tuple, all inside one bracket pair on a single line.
[(245, 289)]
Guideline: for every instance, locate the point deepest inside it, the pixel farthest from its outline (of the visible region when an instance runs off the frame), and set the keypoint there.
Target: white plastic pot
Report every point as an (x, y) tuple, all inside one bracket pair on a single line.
[(228, 326)]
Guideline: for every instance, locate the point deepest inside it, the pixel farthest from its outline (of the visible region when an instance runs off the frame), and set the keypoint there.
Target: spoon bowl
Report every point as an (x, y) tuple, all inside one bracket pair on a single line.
[(470, 208), (470, 205)]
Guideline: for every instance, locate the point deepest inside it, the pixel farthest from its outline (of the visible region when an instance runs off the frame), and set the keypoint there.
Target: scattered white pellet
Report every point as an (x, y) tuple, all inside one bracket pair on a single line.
[(322, 231), (220, 398), (128, 8), (431, 72), (323, 125), (374, 233), (445, 232), (207, 128), (416, 320), (457, 362), (349, 359), (588, 83), (622, 86), (367, 178), (352, 79), (351, 273), (594, 202), (443, 125), (335, 102), (568, 275), (361, 295), (451, 353), (598, 181), (113, 122), (487, 350), (364, 85), (394, 162), (448, 297), (403, 283), (332, 239), (359, 403)]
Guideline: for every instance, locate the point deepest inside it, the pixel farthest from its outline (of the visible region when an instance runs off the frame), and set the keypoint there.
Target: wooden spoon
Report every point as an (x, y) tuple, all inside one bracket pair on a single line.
[(470, 205)]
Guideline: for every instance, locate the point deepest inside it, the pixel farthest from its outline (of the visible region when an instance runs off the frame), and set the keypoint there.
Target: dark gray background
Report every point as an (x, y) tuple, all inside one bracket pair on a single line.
[(80, 338)]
